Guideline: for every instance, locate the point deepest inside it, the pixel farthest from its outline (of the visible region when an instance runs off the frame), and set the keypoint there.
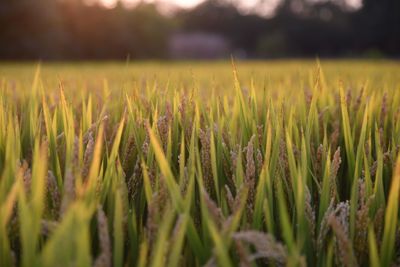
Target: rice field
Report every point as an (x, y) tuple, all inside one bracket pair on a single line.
[(282, 163)]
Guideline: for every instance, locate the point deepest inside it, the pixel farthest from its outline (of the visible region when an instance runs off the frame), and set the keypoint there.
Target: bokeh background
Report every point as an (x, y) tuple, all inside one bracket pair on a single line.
[(198, 29)]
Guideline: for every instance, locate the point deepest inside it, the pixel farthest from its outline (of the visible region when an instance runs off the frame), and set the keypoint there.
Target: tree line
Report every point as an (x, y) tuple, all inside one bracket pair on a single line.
[(71, 29)]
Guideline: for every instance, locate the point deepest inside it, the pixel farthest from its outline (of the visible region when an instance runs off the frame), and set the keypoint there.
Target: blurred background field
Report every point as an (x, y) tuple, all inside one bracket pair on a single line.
[(203, 76)]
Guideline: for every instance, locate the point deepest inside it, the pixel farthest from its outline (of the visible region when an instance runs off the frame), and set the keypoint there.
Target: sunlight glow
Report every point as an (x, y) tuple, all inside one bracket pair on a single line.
[(265, 8), (179, 3)]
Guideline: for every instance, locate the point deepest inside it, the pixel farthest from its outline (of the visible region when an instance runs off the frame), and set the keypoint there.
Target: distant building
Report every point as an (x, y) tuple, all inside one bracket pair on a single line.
[(198, 45)]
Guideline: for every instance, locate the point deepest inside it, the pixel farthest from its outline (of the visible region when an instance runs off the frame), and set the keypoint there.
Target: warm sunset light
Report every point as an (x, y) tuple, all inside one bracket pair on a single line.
[(179, 3), (264, 8), (267, 6), (199, 133)]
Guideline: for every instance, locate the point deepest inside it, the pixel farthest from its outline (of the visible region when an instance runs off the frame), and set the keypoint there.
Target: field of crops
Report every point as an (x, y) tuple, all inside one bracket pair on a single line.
[(285, 163)]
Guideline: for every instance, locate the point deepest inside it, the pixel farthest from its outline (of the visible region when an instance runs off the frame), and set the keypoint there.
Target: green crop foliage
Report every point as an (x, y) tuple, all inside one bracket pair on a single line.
[(287, 163)]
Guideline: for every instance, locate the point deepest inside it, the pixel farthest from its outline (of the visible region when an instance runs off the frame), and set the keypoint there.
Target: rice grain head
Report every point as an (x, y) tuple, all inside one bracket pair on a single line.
[(310, 215), (69, 191), (265, 246), (336, 161), (87, 159), (362, 222), (324, 227), (205, 155), (213, 209), (339, 223), (54, 193), (250, 177), (104, 258)]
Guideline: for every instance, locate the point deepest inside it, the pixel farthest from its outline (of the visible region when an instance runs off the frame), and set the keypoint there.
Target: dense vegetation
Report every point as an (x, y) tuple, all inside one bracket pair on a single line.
[(278, 164)]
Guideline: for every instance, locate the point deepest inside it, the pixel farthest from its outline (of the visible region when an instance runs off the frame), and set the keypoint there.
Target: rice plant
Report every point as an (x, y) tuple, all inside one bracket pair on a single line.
[(297, 170)]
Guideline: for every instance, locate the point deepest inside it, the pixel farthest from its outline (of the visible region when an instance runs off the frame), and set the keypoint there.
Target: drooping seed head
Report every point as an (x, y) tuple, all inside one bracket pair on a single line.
[(337, 160), (104, 258), (54, 193), (324, 227), (69, 191), (265, 246)]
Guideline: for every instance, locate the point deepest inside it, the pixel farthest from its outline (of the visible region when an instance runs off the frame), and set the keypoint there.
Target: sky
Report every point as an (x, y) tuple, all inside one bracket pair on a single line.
[(245, 5)]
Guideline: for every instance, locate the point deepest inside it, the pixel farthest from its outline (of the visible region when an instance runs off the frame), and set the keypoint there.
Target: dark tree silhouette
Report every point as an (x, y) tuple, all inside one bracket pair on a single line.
[(70, 29)]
